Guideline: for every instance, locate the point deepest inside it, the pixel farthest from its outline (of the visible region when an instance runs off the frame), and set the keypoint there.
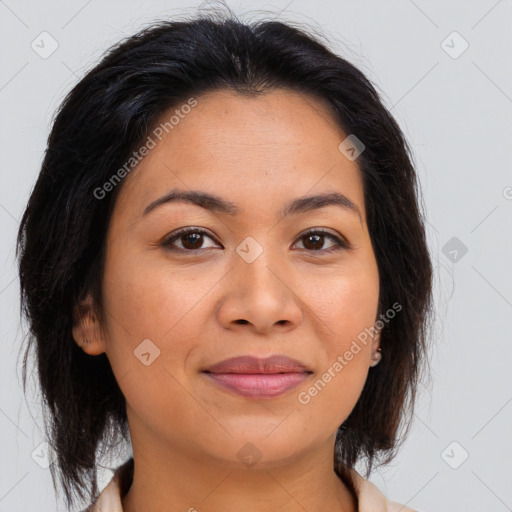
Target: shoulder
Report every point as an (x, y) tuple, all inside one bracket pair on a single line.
[(110, 498), (371, 499)]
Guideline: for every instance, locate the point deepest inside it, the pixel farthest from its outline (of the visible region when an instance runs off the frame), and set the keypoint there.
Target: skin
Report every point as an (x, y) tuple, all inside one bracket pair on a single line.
[(259, 153)]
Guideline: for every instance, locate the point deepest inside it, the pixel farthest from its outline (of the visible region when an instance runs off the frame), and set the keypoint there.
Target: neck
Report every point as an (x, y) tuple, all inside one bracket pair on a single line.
[(170, 478)]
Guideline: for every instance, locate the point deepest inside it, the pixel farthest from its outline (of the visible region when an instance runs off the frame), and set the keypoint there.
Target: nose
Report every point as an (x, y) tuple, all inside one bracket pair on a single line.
[(259, 296)]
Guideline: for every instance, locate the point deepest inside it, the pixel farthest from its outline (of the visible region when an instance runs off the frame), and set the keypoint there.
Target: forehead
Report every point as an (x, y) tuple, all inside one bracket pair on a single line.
[(249, 150)]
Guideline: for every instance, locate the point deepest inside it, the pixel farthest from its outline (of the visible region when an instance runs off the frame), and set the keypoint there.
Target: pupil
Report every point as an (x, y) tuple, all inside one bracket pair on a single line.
[(197, 237), (317, 238)]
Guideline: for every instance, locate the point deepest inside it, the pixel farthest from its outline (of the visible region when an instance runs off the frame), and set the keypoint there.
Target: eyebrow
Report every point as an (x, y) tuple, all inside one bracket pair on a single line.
[(219, 205)]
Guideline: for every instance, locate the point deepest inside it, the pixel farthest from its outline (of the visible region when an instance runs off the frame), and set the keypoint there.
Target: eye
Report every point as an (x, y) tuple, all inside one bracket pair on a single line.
[(190, 238), (193, 239), (315, 239)]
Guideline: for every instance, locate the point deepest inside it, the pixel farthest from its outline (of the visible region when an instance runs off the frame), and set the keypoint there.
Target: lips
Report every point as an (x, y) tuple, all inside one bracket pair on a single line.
[(249, 364), (253, 377)]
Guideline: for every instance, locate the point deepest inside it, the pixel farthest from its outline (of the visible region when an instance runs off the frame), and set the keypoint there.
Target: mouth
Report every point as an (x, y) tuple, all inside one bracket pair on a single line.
[(259, 378)]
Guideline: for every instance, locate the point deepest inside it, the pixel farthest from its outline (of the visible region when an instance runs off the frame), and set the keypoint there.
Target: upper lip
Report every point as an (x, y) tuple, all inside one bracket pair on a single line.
[(251, 364)]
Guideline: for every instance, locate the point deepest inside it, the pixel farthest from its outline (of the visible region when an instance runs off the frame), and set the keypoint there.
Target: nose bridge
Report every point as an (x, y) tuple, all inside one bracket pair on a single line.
[(259, 266), (260, 293)]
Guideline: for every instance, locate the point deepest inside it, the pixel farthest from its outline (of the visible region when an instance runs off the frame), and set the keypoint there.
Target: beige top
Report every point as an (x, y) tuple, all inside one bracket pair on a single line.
[(370, 497)]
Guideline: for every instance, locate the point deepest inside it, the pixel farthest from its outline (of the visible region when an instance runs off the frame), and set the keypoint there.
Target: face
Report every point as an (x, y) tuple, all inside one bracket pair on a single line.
[(192, 283)]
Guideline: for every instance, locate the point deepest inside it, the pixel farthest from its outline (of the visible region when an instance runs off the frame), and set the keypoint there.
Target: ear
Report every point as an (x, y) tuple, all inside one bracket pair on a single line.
[(376, 341), (86, 328)]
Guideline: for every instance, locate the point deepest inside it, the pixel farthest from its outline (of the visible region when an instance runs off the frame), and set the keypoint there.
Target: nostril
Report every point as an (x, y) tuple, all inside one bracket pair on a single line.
[(241, 321)]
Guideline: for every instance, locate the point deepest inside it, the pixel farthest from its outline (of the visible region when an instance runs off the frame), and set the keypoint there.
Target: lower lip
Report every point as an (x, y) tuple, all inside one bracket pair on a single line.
[(257, 385)]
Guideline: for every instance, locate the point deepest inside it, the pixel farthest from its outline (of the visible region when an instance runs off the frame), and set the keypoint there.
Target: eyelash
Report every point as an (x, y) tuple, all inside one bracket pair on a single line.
[(339, 242)]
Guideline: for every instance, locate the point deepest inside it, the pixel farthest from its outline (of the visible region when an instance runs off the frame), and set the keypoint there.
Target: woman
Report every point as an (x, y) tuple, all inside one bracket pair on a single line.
[(223, 262)]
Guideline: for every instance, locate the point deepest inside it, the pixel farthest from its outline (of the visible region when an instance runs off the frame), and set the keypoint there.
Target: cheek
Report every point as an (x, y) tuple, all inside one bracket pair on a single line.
[(330, 398), (150, 299), (150, 303), (344, 308), (147, 301), (341, 317)]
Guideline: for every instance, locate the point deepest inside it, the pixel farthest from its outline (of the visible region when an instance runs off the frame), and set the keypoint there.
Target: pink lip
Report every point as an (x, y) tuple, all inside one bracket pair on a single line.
[(258, 378)]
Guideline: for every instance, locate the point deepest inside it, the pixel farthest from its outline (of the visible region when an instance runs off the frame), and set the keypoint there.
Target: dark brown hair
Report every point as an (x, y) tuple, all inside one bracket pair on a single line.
[(104, 119)]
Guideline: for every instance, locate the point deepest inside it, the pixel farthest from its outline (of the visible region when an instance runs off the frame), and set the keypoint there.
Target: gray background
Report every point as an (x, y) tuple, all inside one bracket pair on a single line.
[(456, 111)]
